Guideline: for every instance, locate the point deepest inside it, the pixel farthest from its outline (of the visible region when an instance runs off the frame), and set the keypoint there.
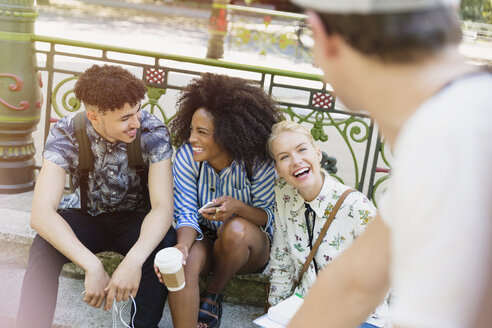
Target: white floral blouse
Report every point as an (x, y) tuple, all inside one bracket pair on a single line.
[(290, 240)]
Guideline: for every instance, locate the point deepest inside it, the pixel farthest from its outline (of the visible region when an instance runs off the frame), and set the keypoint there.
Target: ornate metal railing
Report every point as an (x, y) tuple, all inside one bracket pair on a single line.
[(351, 138)]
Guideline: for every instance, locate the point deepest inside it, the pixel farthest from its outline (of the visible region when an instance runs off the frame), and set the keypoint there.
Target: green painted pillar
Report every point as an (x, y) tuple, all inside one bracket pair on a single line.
[(20, 95), (217, 29)]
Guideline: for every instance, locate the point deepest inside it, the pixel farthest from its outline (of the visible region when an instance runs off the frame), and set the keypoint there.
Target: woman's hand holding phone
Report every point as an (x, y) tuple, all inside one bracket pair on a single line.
[(211, 211), (208, 205), (220, 209)]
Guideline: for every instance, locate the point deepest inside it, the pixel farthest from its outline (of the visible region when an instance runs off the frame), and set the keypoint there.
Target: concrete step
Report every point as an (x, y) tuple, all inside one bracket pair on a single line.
[(72, 312), (15, 234)]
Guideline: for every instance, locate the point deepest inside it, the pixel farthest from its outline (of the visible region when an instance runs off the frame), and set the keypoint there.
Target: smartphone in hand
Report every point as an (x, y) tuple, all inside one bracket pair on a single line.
[(208, 205)]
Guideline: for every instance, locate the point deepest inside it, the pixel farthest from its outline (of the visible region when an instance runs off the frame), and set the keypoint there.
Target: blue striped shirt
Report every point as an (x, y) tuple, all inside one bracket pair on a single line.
[(231, 181)]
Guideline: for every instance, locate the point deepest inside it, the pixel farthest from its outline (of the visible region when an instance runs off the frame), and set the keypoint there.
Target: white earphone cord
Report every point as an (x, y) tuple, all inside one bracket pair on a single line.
[(115, 311)]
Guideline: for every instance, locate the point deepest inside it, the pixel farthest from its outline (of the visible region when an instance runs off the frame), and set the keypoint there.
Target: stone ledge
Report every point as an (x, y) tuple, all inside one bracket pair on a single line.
[(16, 238), (247, 289)]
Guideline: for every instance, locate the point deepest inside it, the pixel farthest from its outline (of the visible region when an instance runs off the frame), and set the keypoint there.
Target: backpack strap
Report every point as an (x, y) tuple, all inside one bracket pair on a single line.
[(136, 162), (86, 158)]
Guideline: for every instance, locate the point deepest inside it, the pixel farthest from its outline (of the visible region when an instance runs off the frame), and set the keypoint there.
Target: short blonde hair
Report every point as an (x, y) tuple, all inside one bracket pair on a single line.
[(288, 126)]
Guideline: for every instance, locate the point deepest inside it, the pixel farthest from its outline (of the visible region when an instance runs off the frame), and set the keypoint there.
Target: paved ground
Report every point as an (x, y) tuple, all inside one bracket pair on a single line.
[(160, 27), (158, 30), (74, 313)]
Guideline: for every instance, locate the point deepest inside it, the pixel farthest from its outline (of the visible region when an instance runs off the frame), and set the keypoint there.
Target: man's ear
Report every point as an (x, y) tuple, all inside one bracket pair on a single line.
[(327, 43), (92, 115)]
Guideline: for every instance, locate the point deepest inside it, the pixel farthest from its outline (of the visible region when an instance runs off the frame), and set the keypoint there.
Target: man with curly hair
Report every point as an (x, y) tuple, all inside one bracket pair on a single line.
[(116, 217), (399, 61)]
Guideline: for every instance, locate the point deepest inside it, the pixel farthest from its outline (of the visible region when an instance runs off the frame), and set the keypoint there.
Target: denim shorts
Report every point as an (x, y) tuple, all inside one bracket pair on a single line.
[(367, 325)]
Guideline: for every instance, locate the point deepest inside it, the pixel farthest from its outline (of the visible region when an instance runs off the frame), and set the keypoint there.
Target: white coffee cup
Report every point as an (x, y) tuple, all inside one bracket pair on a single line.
[(170, 263)]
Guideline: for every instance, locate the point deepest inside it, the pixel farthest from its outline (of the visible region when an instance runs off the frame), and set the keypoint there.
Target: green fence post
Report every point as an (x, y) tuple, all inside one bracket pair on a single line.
[(217, 29), (20, 95)]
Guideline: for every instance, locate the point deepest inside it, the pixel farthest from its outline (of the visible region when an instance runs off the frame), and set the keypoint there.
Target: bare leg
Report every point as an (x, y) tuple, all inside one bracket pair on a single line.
[(241, 247), (184, 303)]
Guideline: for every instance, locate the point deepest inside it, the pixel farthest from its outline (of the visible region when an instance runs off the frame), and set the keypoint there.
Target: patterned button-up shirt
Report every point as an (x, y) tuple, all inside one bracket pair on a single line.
[(290, 240), (231, 181), (112, 185)]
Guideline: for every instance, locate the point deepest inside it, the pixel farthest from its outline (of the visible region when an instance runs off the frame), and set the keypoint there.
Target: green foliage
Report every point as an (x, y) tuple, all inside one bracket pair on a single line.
[(476, 10)]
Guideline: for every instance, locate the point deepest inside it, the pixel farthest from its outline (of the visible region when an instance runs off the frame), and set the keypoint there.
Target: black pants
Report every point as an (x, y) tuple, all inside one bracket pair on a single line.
[(115, 232)]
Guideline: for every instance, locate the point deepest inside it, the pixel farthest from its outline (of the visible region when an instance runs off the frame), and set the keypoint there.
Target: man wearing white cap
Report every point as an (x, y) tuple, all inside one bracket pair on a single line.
[(399, 61)]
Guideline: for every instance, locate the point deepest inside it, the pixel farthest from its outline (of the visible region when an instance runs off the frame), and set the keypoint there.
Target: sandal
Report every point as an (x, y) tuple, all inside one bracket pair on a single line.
[(210, 312)]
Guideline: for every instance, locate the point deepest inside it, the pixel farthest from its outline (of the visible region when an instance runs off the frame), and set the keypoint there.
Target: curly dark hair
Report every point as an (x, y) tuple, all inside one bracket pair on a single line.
[(243, 112), (109, 87)]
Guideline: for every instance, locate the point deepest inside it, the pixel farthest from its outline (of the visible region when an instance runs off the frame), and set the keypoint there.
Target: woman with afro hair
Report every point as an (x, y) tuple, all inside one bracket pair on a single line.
[(221, 128)]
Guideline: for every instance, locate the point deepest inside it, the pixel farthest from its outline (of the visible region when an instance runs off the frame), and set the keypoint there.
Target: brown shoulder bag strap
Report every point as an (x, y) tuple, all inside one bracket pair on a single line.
[(321, 236)]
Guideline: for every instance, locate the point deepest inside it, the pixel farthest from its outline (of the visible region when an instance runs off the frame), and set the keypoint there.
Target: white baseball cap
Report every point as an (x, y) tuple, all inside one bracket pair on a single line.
[(373, 6)]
